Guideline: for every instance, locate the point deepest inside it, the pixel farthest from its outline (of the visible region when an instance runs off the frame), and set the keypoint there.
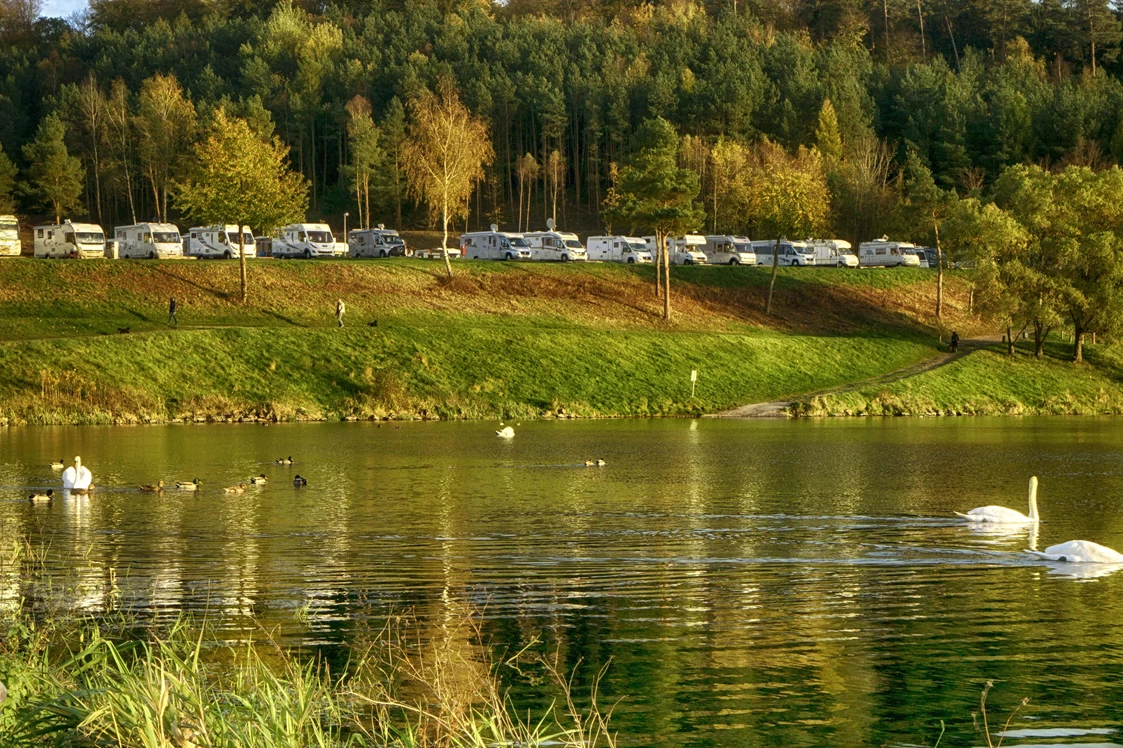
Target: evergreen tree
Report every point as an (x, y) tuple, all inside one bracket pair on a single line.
[(366, 155), (8, 174), (827, 136), (655, 193), (54, 176)]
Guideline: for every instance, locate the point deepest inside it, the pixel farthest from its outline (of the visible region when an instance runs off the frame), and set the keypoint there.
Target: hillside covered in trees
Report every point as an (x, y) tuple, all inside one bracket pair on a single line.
[(965, 87)]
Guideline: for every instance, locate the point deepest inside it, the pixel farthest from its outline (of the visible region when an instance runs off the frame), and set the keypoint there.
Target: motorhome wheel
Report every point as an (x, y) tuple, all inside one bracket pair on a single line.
[(382, 253), (733, 261), (565, 258), (227, 255), (631, 260), (152, 255), (508, 256), (308, 254)]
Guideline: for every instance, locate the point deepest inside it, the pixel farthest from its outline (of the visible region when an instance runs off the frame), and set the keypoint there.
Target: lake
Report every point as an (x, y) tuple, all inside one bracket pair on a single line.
[(780, 583)]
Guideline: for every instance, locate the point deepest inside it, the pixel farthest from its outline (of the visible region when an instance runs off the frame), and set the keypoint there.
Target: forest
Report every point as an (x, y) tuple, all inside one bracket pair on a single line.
[(968, 88)]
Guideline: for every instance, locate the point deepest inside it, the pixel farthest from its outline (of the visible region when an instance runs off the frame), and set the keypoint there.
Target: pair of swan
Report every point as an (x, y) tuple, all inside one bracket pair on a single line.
[(1072, 552)]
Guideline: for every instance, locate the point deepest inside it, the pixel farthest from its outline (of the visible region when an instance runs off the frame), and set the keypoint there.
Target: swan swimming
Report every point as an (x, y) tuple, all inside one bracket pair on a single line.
[(1002, 515), (78, 477), (505, 433), (1080, 552)]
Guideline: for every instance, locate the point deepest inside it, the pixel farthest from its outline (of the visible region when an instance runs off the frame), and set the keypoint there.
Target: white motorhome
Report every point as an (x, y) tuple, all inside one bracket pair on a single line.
[(884, 253), (555, 245), (626, 249), (67, 239), (151, 240), (307, 240), (793, 253), (833, 252), (729, 250), (682, 250), (379, 242), (9, 237), (494, 245), (218, 241)]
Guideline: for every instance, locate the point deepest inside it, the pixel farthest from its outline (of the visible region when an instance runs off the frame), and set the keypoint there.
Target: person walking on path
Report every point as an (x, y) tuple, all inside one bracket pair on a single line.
[(173, 307), (340, 308), (954, 341)]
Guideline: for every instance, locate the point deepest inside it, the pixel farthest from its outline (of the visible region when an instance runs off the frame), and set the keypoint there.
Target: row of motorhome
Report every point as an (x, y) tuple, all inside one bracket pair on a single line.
[(309, 240)]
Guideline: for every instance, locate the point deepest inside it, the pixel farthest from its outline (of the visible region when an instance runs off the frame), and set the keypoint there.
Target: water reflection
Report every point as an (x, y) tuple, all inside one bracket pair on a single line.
[(752, 583)]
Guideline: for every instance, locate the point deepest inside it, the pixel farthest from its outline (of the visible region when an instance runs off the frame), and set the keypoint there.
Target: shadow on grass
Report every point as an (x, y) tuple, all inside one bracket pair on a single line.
[(216, 293)]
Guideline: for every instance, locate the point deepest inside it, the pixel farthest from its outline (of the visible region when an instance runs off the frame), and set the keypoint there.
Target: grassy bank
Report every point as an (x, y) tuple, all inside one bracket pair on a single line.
[(497, 340), (990, 382)]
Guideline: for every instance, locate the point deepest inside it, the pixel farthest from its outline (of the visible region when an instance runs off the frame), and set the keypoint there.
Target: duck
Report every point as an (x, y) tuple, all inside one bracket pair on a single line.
[(240, 488), (505, 433), (183, 485), (601, 463), (258, 479), (284, 461), (158, 488), (299, 482), (39, 498), (1002, 515), (1079, 552), (58, 465)]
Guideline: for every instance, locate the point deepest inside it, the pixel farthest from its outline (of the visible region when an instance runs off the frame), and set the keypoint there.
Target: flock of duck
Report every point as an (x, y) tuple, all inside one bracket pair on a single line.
[(77, 479), (1072, 552)]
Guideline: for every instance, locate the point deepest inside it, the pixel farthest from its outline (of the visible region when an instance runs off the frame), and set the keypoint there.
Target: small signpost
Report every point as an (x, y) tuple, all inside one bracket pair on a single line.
[(693, 382)]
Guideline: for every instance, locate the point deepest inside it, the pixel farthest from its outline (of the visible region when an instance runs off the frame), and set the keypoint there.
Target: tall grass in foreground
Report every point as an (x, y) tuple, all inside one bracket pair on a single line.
[(79, 684)]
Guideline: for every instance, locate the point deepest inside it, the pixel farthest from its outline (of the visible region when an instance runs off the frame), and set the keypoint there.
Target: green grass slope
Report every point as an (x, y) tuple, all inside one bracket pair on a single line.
[(990, 382), (497, 340)]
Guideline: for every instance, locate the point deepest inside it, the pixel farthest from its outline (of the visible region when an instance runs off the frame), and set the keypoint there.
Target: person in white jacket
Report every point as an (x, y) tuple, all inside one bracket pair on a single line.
[(77, 478)]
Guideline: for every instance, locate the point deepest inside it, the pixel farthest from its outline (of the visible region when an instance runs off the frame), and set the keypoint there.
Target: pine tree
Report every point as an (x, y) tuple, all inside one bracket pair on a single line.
[(8, 174), (55, 177), (827, 135)]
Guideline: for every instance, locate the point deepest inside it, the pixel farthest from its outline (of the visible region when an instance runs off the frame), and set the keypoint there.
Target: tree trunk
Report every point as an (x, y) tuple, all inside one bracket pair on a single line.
[(666, 285), (444, 237), (772, 280), (1077, 343), (1039, 334), (1009, 341), (658, 264), (242, 261), (939, 270), (923, 43)]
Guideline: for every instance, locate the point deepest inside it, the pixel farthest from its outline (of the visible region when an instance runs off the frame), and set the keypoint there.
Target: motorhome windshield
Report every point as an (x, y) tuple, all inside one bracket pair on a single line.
[(573, 244), (637, 246), (9, 230), (393, 238), (804, 250), (247, 238), (518, 242), (91, 237), (320, 237), (743, 247), (165, 237)]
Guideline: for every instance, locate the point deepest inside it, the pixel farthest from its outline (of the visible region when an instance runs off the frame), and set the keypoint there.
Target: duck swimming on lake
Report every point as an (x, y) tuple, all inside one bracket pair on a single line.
[(183, 485), (57, 465), (1080, 552), (240, 488), (283, 461), (258, 479), (42, 498), (299, 482), (158, 488), (1002, 515)]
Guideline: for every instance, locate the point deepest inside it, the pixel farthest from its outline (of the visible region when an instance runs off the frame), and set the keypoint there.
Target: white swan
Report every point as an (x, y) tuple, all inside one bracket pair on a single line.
[(1002, 515), (1080, 552), (77, 478), (505, 433)]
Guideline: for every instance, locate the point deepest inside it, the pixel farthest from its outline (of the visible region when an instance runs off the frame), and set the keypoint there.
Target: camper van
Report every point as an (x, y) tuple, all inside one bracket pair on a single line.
[(9, 236), (307, 240), (682, 250), (792, 253), (729, 250), (218, 241), (833, 253), (494, 245), (627, 249), (79, 240), (554, 245), (151, 240), (379, 242), (884, 253)]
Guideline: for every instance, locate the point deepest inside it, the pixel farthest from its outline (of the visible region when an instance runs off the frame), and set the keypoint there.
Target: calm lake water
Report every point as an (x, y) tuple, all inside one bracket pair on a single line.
[(752, 583)]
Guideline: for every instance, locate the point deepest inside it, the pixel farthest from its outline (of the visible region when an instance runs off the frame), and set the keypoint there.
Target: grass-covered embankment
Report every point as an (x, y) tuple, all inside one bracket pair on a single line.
[(497, 340), (990, 382)]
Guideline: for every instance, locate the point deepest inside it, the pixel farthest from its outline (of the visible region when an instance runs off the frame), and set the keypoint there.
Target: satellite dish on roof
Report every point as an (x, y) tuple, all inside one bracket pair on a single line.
[(381, 226), (550, 224), (495, 227)]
